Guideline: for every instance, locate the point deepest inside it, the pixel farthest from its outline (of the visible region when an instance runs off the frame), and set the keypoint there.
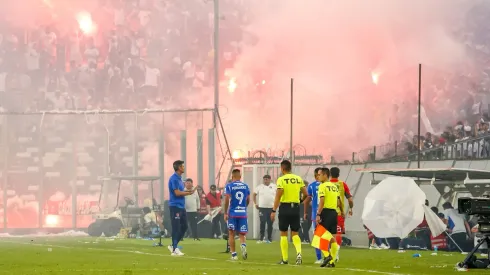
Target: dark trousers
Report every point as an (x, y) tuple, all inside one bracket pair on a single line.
[(265, 219), (218, 223), (459, 239), (192, 219), (179, 224), (305, 229)]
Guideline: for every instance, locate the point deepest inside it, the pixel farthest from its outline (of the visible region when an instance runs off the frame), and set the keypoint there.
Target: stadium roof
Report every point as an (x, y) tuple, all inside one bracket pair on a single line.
[(445, 174)]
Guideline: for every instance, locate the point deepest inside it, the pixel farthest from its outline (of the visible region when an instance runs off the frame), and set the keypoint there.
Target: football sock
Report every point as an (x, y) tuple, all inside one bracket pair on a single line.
[(297, 244), (335, 249), (284, 248), (338, 238), (325, 253)]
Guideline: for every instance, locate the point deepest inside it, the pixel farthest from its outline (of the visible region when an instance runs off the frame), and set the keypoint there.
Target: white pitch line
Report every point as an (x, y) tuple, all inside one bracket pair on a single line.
[(146, 253), (132, 269), (107, 249), (201, 258)]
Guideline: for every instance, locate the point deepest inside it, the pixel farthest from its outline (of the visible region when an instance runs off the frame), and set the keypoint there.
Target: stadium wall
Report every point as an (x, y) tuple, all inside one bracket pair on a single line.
[(359, 185)]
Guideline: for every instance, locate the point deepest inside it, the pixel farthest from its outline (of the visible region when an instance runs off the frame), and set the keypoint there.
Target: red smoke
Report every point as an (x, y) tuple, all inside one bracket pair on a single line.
[(335, 50)]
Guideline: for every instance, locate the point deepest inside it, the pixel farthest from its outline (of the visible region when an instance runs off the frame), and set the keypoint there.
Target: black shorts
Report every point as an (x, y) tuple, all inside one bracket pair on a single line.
[(328, 219), (289, 217)]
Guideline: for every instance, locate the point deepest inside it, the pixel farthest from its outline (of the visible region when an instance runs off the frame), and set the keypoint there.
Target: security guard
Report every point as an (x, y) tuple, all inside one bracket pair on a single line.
[(329, 196), (289, 190)]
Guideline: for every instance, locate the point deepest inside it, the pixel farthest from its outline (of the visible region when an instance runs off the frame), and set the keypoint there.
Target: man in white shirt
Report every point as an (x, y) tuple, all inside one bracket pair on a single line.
[(458, 226), (192, 204), (266, 193)]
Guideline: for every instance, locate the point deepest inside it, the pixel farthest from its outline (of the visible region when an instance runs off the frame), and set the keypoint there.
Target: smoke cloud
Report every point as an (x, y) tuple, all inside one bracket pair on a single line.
[(332, 49)]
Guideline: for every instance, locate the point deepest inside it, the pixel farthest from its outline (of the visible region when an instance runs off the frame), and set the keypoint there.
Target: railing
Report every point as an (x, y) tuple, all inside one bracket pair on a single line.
[(298, 160), (476, 148)]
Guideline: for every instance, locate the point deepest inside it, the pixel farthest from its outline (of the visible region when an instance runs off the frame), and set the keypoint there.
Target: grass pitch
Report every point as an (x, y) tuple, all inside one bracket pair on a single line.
[(86, 256)]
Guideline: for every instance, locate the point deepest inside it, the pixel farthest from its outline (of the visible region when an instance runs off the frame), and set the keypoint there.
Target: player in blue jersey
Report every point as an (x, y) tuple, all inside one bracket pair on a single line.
[(313, 198), (236, 203)]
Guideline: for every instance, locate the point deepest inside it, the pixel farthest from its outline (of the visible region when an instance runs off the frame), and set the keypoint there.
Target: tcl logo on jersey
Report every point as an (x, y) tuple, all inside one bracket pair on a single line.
[(293, 181), (332, 188)]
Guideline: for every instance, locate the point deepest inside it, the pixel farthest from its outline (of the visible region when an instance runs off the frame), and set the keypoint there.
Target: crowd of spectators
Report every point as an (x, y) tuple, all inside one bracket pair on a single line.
[(465, 140), (113, 54), (461, 141), (135, 54), (125, 54), (455, 106)]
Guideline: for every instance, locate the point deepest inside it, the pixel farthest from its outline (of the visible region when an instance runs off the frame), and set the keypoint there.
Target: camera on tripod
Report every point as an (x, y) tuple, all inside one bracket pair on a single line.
[(479, 207)]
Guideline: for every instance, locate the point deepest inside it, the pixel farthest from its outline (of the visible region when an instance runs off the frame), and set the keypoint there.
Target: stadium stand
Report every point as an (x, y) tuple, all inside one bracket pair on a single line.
[(145, 54), (461, 133)]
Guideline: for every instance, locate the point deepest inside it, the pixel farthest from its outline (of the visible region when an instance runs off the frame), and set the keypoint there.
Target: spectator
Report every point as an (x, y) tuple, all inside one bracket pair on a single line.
[(191, 206), (428, 142), (213, 202), (266, 193)]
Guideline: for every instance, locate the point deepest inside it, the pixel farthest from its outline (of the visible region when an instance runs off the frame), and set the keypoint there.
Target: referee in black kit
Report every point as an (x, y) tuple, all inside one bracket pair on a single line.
[(288, 195)]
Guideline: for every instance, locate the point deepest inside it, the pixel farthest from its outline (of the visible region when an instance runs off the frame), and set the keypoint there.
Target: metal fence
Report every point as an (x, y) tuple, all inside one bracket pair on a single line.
[(51, 162), (475, 148)]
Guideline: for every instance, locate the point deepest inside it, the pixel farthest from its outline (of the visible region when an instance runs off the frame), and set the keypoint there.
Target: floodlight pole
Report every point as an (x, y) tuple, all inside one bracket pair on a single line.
[(5, 182), (216, 61), (418, 117), (291, 157)]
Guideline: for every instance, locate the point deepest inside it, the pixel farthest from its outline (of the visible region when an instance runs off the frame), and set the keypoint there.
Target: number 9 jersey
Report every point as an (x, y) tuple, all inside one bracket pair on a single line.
[(238, 193)]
